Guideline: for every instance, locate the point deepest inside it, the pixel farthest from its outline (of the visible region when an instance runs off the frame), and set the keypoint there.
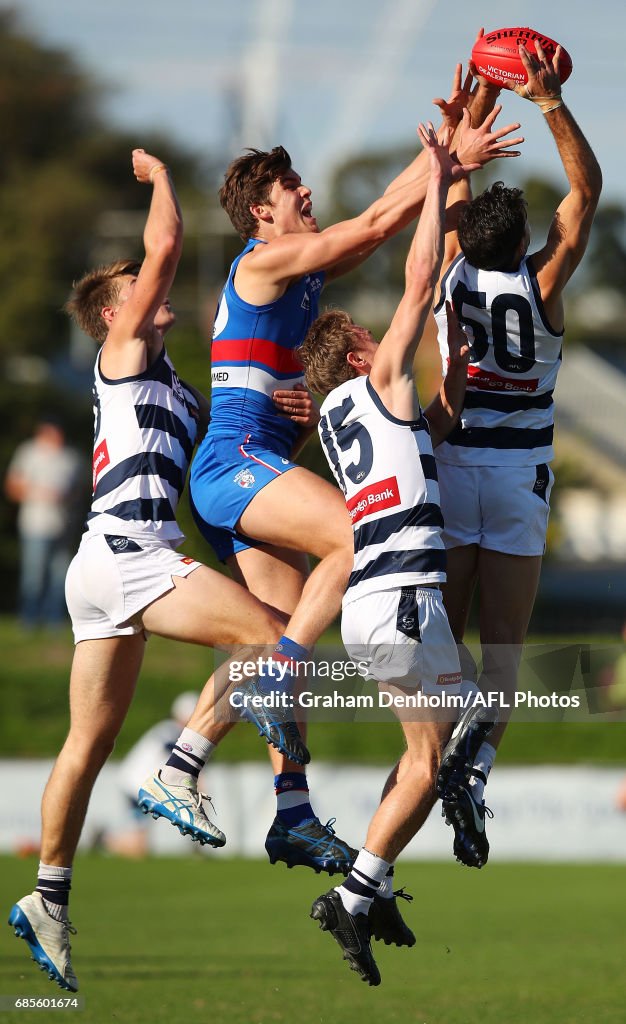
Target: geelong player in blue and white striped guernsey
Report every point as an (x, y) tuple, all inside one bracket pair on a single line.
[(127, 578), (379, 445), (494, 469)]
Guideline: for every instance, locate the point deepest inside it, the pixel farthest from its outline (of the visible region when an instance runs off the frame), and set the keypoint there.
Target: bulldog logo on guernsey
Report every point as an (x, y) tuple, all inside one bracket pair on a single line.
[(373, 498)]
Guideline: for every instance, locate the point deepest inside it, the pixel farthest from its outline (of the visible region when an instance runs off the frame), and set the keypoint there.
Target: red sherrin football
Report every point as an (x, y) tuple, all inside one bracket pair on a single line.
[(497, 58)]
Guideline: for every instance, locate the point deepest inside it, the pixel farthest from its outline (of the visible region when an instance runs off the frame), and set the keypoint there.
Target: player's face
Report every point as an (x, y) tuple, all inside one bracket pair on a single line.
[(291, 205), (165, 316)]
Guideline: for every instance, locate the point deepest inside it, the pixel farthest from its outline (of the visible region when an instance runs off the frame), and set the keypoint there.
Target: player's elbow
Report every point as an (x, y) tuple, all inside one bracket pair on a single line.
[(590, 187), (168, 248), (420, 279)]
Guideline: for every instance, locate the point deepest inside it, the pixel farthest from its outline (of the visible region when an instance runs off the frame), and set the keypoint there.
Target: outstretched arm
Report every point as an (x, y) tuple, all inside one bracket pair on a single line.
[(481, 104), (444, 410), (132, 323), (392, 368), (569, 233), (264, 274)]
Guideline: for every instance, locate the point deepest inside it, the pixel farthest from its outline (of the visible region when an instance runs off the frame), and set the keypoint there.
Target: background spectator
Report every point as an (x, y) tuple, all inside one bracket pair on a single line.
[(46, 479)]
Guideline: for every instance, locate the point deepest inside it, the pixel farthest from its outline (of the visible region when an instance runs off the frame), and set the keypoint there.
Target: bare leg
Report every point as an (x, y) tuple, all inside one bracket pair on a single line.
[(409, 794), (508, 587), (305, 513), (104, 674), (276, 576), (462, 573)]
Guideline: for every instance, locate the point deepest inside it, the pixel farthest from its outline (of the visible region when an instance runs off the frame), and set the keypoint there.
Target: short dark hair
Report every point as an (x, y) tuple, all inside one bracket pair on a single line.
[(492, 226), (94, 291), (324, 349), (248, 181)]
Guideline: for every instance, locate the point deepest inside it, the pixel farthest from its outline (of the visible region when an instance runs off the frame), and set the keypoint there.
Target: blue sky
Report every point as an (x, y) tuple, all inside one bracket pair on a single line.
[(327, 78)]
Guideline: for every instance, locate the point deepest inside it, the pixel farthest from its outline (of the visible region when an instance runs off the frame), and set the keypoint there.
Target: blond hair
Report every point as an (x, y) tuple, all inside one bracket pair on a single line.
[(94, 291)]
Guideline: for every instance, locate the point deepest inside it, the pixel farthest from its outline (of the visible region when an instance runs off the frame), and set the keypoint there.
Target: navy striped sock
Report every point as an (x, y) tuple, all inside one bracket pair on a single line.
[(189, 756), (363, 882), (53, 885)]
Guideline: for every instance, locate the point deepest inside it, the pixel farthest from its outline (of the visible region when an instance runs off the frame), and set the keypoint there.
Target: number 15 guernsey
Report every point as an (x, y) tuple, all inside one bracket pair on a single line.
[(253, 355)]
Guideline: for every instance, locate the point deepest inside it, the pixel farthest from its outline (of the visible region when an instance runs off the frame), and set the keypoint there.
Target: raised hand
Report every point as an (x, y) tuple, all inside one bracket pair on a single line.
[(145, 166), (438, 149), (544, 82), (480, 145), (452, 108)]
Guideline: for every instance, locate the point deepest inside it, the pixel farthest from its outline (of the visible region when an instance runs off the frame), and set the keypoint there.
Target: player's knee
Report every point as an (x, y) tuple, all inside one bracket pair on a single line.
[(334, 537), (266, 628), (91, 750)]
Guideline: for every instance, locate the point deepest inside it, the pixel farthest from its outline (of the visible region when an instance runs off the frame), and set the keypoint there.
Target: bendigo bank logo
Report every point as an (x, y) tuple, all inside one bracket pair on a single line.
[(373, 498)]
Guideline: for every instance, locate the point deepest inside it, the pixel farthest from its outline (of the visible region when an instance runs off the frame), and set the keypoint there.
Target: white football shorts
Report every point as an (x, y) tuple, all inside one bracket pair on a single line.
[(502, 508), (403, 635), (112, 579)]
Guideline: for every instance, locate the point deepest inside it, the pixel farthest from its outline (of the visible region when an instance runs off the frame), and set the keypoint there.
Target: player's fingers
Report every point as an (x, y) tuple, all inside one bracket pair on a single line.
[(556, 60), (507, 143), (467, 84), (487, 123), (541, 53), (456, 81), (479, 34), (501, 132), (527, 60), (423, 134), (446, 136)]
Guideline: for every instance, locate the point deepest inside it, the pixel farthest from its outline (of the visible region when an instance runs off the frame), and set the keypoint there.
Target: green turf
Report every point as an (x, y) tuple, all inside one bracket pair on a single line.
[(34, 673), (229, 942)]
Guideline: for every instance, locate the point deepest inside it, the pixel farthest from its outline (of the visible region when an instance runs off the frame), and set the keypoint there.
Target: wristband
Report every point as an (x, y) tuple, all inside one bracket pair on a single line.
[(555, 106), (155, 170), (541, 101)]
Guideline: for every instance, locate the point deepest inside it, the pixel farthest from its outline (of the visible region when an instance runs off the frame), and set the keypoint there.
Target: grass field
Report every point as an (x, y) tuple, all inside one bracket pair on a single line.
[(231, 943)]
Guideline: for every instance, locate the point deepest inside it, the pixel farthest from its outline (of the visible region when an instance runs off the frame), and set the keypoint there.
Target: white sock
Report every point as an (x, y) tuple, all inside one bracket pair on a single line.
[(386, 886), (189, 756), (363, 882), (483, 764)]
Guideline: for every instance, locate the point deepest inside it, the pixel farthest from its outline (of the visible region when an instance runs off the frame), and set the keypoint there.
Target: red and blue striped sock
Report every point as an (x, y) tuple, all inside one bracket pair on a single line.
[(292, 799)]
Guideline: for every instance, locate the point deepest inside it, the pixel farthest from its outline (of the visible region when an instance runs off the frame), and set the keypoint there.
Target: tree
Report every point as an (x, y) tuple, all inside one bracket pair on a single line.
[(62, 166)]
